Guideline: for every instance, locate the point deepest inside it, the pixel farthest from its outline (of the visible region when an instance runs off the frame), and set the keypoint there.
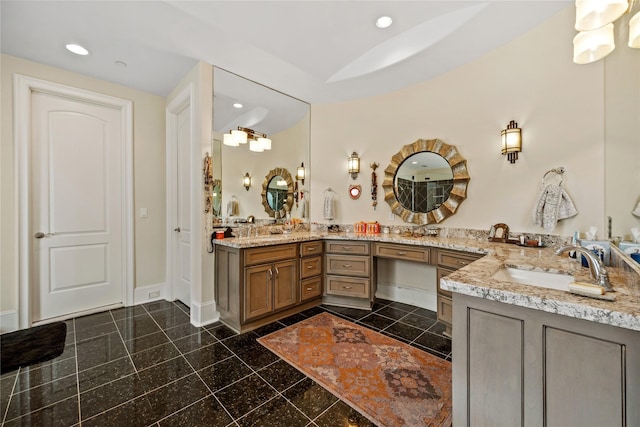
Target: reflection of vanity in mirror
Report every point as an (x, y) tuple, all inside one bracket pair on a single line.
[(285, 121), (426, 181)]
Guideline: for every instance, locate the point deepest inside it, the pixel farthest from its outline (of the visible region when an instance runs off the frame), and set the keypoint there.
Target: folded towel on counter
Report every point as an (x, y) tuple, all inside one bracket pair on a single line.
[(553, 205)]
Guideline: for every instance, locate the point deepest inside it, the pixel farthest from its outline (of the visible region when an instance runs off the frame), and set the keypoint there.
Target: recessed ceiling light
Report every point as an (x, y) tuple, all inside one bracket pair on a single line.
[(77, 49), (414, 163), (237, 105), (384, 22)]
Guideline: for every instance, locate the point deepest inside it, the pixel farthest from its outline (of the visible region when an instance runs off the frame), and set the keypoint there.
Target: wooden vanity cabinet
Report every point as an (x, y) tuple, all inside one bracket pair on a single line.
[(349, 274), (255, 285), (270, 279), (448, 261), (310, 270)]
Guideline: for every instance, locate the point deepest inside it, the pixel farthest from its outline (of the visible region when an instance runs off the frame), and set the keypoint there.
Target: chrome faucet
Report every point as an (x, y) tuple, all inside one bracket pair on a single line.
[(596, 266)]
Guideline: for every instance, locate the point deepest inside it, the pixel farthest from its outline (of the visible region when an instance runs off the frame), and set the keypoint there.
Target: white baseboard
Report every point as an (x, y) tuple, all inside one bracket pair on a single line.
[(419, 297), (149, 293), (8, 321), (204, 314)]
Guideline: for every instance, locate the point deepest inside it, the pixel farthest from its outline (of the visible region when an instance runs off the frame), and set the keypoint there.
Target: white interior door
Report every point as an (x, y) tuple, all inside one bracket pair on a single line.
[(182, 260), (77, 206)]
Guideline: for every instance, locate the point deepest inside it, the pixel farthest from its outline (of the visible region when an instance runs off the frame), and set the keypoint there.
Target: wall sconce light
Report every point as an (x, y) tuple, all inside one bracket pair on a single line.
[(300, 173), (246, 181), (511, 141), (354, 165)]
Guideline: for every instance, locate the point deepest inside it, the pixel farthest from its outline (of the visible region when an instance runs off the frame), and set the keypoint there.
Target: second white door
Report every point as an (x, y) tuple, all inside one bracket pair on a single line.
[(182, 260)]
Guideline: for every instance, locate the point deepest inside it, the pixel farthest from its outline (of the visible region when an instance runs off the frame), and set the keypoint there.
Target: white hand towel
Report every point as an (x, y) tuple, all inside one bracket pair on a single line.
[(553, 205), (636, 211), (328, 208)]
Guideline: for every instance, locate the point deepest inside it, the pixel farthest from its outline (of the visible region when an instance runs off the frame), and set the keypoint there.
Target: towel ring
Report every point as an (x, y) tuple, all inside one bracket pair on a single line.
[(557, 171)]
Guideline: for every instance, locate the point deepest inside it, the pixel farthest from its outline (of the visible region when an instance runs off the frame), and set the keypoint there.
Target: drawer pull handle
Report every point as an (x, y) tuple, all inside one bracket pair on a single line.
[(309, 289), (346, 265), (311, 249), (402, 253), (347, 287), (462, 262), (309, 267), (277, 272), (346, 248)]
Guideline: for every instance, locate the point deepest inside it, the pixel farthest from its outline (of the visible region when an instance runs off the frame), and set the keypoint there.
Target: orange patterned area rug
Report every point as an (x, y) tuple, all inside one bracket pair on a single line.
[(389, 382)]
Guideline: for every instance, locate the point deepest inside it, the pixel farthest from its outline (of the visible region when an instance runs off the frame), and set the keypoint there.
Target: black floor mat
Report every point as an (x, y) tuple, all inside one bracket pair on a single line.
[(34, 345)]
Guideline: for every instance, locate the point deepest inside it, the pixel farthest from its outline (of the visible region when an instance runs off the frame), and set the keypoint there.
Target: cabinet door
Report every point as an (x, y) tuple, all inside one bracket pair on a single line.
[(285, 282), (258, 291)]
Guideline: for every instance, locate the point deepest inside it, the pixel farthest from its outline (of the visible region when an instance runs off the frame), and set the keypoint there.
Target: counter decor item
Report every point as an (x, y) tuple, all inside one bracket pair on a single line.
[(499, 233)]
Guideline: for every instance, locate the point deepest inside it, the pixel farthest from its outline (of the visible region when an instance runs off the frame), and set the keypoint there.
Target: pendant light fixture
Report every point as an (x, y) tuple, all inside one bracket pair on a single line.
[(258, 141), (595, 23)]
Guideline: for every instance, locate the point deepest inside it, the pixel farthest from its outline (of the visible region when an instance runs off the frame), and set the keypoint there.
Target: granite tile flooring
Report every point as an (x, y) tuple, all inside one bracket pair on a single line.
[(147, 365)]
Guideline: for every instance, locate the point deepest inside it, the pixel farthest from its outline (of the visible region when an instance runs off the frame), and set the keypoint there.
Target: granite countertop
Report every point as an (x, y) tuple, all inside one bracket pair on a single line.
[(476, 279)]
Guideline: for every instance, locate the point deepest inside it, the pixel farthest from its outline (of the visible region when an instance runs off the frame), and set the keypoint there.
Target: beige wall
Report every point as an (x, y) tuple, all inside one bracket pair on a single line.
[(149, 166), (559, 106)]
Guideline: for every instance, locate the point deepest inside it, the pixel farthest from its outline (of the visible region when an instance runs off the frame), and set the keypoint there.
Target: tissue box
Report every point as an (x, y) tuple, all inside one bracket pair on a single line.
[(631, 249), (601, 246)]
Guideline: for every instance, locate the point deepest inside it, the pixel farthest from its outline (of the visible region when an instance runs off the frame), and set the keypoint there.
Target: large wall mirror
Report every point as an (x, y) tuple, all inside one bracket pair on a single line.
[(622, 139), (426, 181), (285, 120)]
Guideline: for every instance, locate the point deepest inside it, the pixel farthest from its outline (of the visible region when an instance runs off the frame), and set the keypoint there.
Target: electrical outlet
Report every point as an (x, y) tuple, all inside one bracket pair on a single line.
[(144, 213), (154, 294)]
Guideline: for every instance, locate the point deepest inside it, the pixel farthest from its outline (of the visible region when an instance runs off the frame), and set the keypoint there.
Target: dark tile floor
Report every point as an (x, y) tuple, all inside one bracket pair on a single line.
[(147, 365)]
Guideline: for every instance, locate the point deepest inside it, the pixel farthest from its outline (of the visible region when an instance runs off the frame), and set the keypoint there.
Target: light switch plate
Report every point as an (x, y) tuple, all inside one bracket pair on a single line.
[(144, 213)]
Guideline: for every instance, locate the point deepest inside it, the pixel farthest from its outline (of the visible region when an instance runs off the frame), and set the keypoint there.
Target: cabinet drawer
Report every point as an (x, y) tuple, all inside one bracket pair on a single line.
[(310, 248), (440, 273), (348, 265), (310, 266), (310, 288), (445, 310), (348, 286), (267, 254), (347, 247), (406, 252), (456, 260)]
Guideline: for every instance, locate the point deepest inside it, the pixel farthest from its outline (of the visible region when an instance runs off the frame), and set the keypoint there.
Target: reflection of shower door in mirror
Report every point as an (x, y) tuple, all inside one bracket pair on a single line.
[(182, 248)]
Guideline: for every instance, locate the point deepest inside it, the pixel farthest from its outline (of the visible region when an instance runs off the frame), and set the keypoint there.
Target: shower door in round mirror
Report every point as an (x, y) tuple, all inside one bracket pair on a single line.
[(426, 181)]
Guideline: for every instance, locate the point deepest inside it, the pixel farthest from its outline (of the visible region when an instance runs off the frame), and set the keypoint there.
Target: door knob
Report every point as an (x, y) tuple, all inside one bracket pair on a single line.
[(40, 235), (177, 229)]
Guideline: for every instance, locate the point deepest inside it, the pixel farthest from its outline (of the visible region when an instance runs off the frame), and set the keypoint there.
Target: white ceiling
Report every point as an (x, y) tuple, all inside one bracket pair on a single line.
[(317, 51)]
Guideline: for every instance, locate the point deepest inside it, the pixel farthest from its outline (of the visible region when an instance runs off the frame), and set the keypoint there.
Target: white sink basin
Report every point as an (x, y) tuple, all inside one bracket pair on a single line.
[(540, 279)]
